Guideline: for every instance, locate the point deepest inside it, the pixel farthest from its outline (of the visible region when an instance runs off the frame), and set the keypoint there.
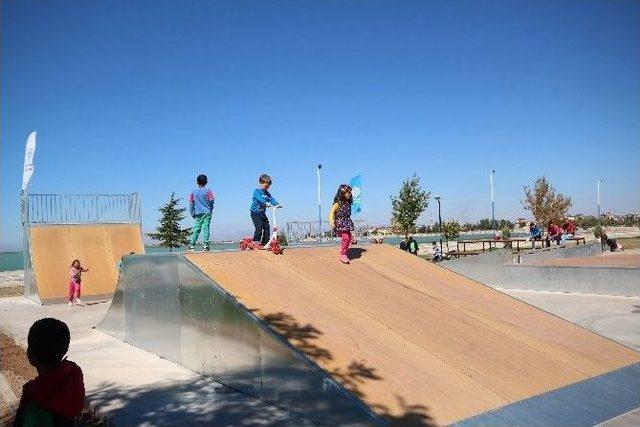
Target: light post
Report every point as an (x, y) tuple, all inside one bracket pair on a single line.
[(319, 206), (599, 217), (493, 209), (437, 197)]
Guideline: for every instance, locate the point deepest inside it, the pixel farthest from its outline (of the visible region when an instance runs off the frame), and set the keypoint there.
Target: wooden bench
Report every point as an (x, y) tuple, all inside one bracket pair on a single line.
[(578, 240), (458, 254)]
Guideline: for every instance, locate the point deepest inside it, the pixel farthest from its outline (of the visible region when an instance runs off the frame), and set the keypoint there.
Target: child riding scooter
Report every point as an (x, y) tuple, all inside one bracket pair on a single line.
[(272, 245)]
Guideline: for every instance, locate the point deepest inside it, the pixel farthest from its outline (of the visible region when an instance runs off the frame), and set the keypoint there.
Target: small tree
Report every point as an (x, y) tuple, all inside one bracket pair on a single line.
[(450, 230), (169, 233), (407, 206), (544, 203)]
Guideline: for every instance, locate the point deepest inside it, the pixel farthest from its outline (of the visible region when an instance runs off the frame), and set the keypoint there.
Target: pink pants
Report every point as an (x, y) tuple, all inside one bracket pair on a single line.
[(345, 241), (74, 291)]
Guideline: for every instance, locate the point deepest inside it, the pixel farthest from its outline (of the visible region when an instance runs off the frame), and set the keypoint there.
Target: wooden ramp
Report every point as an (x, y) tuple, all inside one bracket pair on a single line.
[(98, 246), (413, 340)]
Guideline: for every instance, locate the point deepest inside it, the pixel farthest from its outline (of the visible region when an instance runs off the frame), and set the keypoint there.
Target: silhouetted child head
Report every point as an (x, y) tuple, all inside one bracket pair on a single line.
[(75, 263), (48, 342), (202, 180)]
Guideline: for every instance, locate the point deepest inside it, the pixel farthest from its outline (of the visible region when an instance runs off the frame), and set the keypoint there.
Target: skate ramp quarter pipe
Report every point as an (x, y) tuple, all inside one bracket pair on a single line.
[(98, 246), (167, 306), (415, 341)]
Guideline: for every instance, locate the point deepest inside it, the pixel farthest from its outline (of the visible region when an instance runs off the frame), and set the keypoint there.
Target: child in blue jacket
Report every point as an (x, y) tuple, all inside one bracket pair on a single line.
[(261, 198), (201, 202)]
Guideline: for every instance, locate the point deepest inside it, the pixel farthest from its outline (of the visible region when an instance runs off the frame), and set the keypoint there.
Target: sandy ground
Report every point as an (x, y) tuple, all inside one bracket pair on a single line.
[(410, 337)]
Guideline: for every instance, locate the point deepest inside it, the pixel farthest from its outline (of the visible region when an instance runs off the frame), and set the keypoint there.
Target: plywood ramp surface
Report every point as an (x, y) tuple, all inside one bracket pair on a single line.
[(409, 337), (99, 248)]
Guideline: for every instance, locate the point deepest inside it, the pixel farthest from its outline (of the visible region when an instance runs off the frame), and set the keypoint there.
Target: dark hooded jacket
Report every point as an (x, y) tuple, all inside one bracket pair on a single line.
[(53, 398)]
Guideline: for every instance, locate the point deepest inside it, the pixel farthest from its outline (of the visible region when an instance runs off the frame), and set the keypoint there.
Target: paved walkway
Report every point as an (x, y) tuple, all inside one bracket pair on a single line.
[(133, 387), (615, 317)]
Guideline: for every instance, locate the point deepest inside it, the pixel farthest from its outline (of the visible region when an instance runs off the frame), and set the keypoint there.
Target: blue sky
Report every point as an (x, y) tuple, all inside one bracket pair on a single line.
[(141, 96)]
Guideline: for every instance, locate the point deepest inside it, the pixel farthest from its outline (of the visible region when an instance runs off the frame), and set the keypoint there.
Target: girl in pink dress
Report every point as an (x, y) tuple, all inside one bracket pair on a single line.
[(75, 279)]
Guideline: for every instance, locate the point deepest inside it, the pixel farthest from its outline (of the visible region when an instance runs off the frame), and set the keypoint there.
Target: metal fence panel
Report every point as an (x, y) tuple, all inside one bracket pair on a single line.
[(81, 208), (310, 233)]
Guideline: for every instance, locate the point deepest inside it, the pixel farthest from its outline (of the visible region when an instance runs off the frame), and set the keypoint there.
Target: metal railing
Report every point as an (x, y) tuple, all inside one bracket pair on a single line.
[(306, 232), (82, 208)]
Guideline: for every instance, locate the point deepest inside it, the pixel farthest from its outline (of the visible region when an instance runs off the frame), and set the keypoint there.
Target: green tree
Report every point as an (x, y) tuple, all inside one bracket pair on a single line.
[(450, 230), (485, 224), (506, 235), (407, 206), (505, 223), (544, 203), (169, 233)]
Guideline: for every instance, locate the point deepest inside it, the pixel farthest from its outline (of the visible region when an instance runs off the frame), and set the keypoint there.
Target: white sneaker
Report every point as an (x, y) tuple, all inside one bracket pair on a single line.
[(70, 304), (78, 301)]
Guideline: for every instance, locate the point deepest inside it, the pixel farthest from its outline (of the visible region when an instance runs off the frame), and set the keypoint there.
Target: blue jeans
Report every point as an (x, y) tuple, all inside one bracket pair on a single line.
[(261, 224)]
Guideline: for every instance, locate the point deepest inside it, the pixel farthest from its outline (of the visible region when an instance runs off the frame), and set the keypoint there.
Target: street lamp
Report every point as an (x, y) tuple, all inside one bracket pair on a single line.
[(493, 209), (599, 217), (437, 197), (319, 206)]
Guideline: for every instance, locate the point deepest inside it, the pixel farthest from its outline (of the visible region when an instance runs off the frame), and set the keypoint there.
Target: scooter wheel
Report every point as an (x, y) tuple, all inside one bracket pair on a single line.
[(275, 248)]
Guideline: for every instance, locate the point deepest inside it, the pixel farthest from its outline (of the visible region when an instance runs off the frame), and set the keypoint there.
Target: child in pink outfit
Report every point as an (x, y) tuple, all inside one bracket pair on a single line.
[(340, 219), (75, 279)]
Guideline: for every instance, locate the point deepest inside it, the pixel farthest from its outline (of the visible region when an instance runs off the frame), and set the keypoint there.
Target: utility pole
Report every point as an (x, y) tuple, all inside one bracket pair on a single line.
[(319, 205), (493, 209), (437, 197), (599, 217)]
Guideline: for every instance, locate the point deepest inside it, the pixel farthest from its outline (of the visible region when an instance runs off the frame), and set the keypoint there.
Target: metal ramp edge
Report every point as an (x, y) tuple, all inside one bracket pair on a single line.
[(166, 305)]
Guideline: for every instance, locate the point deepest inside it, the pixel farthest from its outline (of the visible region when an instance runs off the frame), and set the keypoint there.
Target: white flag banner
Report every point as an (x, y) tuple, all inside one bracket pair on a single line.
[(28, 160)]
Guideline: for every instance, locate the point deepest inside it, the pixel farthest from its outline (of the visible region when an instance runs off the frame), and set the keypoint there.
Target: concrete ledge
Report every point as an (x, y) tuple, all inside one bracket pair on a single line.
[(592, 248), (601, 280), (585, 403)]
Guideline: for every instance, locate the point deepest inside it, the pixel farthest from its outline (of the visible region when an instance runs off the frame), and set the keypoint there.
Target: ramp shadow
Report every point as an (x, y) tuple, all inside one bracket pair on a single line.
[(199, 402), (305, 338), (355, 253)]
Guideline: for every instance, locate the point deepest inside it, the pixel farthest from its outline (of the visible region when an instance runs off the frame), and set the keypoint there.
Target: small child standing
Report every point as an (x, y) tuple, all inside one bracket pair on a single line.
[(261, 197), (75, 279), (201, 202), (340, 219), (57, 394)]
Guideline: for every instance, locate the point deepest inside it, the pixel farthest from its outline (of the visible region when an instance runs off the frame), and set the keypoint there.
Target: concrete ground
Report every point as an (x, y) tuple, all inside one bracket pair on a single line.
[(133, 387), (615, 317)]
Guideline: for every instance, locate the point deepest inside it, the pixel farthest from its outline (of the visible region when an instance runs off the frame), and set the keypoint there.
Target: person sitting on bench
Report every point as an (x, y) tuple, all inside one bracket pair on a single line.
[(535, 232), (569, 228), (554, 232)]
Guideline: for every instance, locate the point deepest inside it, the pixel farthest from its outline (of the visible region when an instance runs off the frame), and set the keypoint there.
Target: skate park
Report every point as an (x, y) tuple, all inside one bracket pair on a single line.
[(204, 338)]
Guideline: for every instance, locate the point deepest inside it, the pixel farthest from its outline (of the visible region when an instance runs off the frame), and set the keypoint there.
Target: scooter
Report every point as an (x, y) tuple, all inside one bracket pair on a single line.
[(272, 245)]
